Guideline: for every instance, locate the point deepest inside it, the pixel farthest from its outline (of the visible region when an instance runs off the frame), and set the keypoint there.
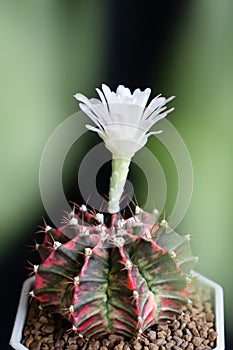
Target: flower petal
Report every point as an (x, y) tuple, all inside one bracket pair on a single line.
[(141, 97), (123, 91), (110, 96), (91, 114)]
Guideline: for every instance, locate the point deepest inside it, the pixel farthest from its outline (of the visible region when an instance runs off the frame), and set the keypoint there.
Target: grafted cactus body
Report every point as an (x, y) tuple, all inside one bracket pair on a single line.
[(120, 280)]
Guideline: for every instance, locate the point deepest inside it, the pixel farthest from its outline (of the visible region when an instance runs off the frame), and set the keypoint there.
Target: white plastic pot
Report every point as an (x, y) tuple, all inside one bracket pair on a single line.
[(217, 294)]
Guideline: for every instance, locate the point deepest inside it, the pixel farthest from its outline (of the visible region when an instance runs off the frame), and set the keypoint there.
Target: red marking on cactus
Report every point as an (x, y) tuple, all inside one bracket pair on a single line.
[(131, 282), (82, 272), (44, 298), (156, 248), (154, 229), (113, 219), (186, 290), (95, 332), (86, 323), (75, 318), (40, 282), (88, 216), (52, 259), (71, 245), (170, 303), (139, 324), (126, 329), (150, 307), (75, 295), (121, 251), (58, 231)]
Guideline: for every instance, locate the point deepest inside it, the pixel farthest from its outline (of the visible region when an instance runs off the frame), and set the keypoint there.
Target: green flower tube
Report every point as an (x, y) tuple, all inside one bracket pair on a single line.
[(120, 169)]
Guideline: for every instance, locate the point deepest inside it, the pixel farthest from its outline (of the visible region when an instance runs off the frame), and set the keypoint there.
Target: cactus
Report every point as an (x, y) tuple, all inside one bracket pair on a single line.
[(124, 276), (120, 279)]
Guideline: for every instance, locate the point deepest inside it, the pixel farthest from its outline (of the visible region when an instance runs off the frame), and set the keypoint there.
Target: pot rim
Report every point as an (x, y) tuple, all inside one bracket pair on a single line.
[(218, 309), (21, 314)]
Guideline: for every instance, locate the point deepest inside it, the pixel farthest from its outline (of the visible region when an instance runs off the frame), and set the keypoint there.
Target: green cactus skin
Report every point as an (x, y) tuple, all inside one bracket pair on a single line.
[(121, 279)]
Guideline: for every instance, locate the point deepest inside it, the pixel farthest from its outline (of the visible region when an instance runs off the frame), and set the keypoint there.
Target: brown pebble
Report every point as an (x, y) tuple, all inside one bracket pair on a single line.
[(183, 325), (188, 337), (36, 345), (105, 342), (114, 337), (65, 337), (203, 333), (190, 347), (145, 341), (177, 348), (200, 347), (37, 337), (152, 335), (26, 332), (49, 329), (50, 340), (195, 332), (191, 325), (29, 341), (103, 348), (186, 317), (126, 347), (43, 320), (176, 325), (145, 348), (153, 346), (45, 347), (188, 332), (170, 344), (212, 335), (197, 341), (209, 317), (80, 341), (178, 333), (206, 342), (59, 343), (94, 345), (162, 334), (160, 342), (137, 346), (178, 340), (71, 347), (184, 344), (163, 327), (119, 346)]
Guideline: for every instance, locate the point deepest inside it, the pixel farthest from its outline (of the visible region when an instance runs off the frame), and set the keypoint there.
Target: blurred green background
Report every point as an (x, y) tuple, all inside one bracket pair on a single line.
[(52, 49)]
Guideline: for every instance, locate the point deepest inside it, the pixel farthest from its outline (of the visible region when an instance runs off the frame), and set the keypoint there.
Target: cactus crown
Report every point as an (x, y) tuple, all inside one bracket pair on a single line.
[(132, 273)]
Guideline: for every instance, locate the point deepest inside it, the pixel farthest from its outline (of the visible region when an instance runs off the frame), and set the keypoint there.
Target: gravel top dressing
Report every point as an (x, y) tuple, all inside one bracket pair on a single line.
[(193, 330)]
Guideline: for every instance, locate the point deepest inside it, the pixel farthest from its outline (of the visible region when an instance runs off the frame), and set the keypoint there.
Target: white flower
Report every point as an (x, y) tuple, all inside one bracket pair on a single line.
[(122, 119)]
